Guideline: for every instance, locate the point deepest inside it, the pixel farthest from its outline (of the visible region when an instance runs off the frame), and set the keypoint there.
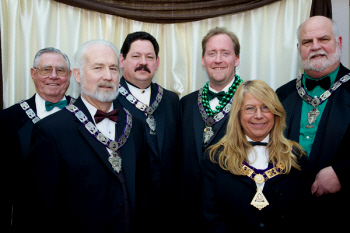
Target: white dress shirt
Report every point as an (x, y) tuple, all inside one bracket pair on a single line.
[(259, 157), (106, 126), (215, 102), (143, 95), (40, 107)]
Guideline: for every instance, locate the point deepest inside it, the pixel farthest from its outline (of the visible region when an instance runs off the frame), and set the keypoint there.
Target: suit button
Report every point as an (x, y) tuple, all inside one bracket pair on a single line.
[(279, 192), (262, 225)]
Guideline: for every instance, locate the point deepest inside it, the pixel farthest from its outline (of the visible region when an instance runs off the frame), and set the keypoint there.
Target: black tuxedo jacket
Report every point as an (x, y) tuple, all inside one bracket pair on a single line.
[(71, 184), (227, 198), (17, 128), (192, 126), (330, 147), (163, 149)]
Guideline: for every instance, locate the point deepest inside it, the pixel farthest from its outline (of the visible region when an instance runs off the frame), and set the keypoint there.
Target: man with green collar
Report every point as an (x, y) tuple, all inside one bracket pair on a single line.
[(318, 117)]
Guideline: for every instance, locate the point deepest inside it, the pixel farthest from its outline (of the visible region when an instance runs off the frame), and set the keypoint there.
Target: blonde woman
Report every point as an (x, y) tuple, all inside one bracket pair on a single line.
[(253, 179)]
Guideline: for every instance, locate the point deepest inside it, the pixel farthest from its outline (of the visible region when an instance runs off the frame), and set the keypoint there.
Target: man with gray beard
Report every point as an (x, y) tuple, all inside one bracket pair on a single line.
[(318, 117), (88, 164)]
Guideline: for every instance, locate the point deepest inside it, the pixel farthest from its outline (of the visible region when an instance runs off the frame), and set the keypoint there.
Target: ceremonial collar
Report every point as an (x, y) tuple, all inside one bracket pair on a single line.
[(148, 110), (31, 113), (114, 158)]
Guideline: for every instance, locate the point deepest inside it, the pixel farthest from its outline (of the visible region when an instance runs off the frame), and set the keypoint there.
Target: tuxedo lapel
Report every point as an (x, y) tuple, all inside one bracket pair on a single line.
[(293, 116), (25, 132), (97, 146), (217, 127), (141, 115), (333, 124), (128, 155), (159, 117), (198, 127), (24, 135)]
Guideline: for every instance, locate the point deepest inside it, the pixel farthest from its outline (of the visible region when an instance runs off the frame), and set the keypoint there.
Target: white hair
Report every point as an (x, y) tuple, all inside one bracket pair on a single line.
[(79, 58)]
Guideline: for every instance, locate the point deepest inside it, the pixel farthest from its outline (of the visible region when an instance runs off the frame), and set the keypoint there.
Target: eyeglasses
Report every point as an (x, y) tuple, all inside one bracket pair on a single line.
[(253, 109), (47, 70)]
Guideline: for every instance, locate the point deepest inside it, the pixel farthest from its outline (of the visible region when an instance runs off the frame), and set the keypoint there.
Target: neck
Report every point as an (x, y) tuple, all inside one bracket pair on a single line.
[(52, 99), (139, 84), (219, 86), (103, 106)]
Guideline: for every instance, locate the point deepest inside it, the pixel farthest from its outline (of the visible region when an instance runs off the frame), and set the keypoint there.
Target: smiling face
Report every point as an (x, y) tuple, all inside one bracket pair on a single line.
[(220, 61), (140, 63), (318, 47), (259, 124), (51, 87)]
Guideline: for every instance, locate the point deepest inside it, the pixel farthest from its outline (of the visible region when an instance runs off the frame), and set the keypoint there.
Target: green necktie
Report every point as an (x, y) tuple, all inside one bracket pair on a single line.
[(49, 106)]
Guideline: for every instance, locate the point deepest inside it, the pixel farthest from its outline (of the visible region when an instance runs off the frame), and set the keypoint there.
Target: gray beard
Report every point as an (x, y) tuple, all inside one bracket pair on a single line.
[(321, 65), (102, 96)]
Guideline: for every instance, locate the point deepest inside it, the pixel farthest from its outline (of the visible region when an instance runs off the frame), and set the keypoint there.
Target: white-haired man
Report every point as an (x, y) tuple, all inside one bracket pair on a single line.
[(85, 170), (318, 117), (50, 74)]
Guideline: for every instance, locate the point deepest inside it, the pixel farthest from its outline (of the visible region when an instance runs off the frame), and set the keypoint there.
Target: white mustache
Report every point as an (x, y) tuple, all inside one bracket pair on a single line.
[(317, 53), (103, 84)]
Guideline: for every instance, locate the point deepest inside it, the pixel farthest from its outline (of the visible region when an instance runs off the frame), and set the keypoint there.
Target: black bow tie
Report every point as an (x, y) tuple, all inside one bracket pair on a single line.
[(211, 95), (258, 143), (325, 83), (100, 115)]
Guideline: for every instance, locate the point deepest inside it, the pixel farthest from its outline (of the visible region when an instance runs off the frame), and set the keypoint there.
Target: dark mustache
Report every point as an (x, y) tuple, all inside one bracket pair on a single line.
[(143, 67)]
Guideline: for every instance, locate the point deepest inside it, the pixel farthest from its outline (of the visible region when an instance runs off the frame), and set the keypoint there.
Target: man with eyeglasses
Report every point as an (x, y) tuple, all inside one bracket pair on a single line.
[(50, 74)]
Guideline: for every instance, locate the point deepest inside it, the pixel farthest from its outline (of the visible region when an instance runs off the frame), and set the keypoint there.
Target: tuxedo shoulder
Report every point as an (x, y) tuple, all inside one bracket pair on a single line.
[(189, 97), (170, 96), (286, 89), (13, 110), (170, 93), (57, 120)]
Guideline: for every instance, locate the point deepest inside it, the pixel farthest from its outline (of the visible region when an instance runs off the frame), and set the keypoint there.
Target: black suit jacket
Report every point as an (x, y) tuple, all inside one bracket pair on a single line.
[(18, 129), (331, 141), (71, 184), (227, 198), (192, 126), (163, 150)]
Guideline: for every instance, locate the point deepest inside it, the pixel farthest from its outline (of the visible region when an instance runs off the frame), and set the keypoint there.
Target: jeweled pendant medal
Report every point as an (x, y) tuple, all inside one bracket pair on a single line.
[(259, 201)]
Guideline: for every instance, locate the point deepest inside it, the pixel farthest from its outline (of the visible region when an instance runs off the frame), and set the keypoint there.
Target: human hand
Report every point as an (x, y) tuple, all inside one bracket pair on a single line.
[(326, 181)]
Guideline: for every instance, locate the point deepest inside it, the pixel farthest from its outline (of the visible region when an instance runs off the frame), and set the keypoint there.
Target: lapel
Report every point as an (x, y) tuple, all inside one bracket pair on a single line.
[(139, 114), (159, 115), (99, 149), (292, 105), (335, 121), (198, 127), (128, 154), (25, 132), (216, 128)]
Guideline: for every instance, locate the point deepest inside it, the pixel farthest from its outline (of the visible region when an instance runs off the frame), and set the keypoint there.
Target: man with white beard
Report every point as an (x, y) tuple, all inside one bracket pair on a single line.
[(318, 117), (88, 161)]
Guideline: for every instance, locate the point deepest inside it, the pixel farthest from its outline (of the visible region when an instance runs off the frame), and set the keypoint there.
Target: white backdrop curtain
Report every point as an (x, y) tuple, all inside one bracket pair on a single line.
[(267, 36)]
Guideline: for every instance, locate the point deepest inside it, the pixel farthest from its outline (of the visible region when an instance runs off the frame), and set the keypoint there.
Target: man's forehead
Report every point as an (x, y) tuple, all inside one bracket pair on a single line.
[(320, 27), (48, 58)]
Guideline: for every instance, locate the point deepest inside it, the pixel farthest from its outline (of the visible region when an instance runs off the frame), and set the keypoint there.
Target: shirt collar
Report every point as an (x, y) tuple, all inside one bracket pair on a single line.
[(40, 104), (267, 139), (332, 76), (225, 89), (92, 110)]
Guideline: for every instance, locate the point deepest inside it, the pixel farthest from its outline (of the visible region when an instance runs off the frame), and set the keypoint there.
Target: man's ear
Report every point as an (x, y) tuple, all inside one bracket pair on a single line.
[(76, 73)]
